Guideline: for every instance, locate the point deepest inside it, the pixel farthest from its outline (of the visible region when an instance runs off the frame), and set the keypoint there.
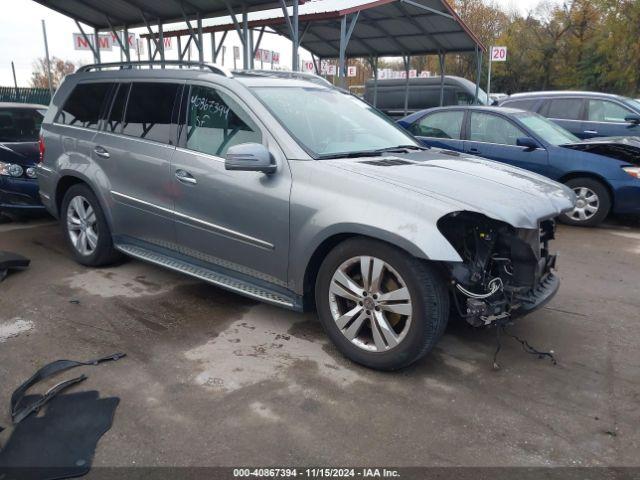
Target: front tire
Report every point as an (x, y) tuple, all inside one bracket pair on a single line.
[(593, 203), (382, 308), (86, 229)]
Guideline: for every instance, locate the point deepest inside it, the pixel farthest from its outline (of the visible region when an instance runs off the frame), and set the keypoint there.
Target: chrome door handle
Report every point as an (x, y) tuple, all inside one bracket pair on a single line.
[(101, 152), (591, 132), (185, 177)]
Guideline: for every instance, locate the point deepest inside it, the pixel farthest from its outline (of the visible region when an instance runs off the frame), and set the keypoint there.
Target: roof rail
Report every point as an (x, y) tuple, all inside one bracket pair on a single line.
[(153, 63), (312, 77)]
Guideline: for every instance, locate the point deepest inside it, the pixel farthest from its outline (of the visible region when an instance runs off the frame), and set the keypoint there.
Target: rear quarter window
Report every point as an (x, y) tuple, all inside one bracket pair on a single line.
[(149, 111), (84, 105), (527, 105)]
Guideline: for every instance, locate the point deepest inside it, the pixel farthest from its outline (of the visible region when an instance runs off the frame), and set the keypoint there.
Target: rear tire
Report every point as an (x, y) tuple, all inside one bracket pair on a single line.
[(85, 228), (593, 203), (387, 318)]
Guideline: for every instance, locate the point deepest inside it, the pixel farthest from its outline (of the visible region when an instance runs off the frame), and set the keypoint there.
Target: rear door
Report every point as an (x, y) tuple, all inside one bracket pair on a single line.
[(606, 118), (232, 219), (568, 112), (441, 129), (135, 148), (495, 137)]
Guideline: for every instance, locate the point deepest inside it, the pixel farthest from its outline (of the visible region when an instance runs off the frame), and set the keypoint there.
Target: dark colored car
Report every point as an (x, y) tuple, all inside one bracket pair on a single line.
[(19, 153), (423, 93), (604, 173), (585, 114)]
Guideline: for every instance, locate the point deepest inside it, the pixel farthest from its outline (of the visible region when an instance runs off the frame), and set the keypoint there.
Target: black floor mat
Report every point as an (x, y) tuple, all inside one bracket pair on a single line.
[(61, 441)]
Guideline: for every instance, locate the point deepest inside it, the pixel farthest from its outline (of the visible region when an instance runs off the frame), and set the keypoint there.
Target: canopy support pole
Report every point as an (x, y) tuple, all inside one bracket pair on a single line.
[(345, 36), (246, 61), (127, 50), (200, 42), (96, 37), (407, 64), (256, 47), (252, 55), (375, 83), (161, 41), (220, 48), (96, 55), (441, 62), (294, 32), (478, 73)]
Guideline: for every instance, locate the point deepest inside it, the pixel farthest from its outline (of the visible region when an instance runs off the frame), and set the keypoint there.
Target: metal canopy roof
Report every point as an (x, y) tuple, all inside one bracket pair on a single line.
[(381, 28), (119, 13)]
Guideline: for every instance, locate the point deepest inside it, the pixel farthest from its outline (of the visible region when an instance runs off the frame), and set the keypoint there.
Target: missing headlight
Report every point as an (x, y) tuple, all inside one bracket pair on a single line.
[(500, 265)]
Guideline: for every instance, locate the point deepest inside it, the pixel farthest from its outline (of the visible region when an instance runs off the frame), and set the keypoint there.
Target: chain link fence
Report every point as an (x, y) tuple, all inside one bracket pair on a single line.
[(25, 95)]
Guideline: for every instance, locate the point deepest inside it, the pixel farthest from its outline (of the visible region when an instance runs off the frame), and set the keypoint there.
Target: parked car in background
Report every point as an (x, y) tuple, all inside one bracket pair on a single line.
[(423, 93), (297, 194), (603, 173), (494, 98), (19, 130), (585, 114)]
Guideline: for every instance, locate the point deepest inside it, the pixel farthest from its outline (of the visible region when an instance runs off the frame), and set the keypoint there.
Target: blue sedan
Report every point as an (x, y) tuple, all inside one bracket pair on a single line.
[(604, 173)]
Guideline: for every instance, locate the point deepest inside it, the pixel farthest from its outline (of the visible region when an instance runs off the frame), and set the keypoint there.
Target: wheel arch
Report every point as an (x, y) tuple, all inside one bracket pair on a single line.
[(328, 243), (594, 176), (68, 180)]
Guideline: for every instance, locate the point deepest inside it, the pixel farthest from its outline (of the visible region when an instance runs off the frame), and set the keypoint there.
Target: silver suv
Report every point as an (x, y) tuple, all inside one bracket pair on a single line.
[(297, 194)]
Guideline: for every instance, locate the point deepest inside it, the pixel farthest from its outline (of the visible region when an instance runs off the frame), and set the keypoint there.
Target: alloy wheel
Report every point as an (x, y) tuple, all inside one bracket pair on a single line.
[(370, 303), (587, 204), (82, 225)]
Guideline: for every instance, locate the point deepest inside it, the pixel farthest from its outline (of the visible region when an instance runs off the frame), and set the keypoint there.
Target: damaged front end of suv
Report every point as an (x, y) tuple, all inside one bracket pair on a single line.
[(505, 271)]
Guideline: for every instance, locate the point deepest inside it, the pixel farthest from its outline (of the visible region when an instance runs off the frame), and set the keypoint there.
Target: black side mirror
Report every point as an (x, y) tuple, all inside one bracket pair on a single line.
[(250, 157), (635, 119), (528, 143)]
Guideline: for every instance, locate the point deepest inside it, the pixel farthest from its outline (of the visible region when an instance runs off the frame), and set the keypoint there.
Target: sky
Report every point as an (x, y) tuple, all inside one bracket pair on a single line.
[(21, 38)]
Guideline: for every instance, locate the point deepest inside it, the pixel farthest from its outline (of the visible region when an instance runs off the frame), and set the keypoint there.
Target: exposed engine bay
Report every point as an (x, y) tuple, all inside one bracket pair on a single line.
[(505, 271)]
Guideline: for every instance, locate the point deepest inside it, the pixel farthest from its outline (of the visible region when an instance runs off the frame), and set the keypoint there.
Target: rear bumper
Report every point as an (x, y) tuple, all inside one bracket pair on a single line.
[(19, 196)]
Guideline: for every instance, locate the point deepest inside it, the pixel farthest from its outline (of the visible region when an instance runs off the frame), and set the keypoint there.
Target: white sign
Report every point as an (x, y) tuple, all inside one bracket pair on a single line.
[(80, 42), (352, 71), (413, 73), (425, 74), (498, 54), (236, 52), (330, 70)]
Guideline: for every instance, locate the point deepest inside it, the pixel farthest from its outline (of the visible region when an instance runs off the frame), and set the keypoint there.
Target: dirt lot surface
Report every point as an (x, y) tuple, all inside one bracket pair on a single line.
[(212, 378)]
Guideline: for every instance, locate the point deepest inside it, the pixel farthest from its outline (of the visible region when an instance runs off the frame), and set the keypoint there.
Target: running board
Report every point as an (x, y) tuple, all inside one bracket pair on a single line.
[(219, 279)]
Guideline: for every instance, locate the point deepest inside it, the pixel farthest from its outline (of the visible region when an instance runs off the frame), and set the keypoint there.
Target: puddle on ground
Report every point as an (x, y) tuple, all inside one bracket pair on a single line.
[(257, 347), (130, 280), (13, 328)]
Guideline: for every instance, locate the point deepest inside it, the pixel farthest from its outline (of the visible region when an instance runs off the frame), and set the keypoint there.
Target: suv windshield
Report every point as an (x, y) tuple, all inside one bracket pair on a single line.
[(547, 130), (327, 122), (20, 124)]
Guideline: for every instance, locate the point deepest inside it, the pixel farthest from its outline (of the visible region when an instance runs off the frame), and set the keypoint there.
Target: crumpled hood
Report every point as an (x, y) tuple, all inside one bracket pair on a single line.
[(22, 153), (625, 149), (515, 196)]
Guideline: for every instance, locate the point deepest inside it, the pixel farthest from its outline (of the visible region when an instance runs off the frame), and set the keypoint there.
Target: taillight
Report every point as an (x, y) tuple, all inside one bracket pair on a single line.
[(41, 148)]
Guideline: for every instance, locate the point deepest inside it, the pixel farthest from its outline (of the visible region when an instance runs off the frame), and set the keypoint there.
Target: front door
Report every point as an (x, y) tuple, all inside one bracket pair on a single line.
[(494, 137), (234, 220), (607, 119), (135, 148)]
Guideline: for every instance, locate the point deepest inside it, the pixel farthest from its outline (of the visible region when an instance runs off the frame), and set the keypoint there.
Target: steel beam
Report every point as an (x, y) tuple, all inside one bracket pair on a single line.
[(441, 62), (407, 64)]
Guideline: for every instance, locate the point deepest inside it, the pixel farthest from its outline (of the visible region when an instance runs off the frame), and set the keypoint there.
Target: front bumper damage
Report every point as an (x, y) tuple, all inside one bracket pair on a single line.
[(506, 272)]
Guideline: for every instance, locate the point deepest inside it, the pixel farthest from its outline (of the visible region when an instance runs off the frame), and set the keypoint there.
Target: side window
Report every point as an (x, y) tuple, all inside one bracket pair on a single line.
[(521, 104), (565, 108), (440, 125), (605, 111), (84, 106), (489, 128), (215, 122), (149, 111), (464, 98), (114, 121)]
